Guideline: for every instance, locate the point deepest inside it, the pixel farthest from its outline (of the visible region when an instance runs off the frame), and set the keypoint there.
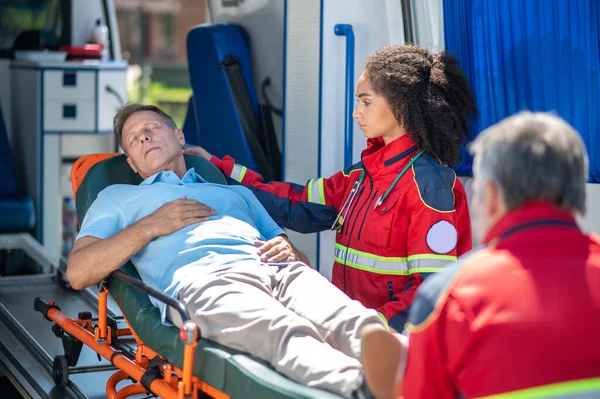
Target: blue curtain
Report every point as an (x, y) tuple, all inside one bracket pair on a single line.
[(540, 55)]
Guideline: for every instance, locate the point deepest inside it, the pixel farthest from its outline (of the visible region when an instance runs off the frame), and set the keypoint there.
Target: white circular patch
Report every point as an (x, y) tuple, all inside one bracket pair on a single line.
[(442, 237)]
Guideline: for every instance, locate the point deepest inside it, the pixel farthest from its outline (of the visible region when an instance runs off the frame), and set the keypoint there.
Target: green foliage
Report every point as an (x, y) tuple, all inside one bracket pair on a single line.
[(14, 19), (171, 99)]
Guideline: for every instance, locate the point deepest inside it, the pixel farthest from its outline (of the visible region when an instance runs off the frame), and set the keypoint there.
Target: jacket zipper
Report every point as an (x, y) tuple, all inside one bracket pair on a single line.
[(370, 179), (366, 211), (391, 291), (351, 229), (350, 217)]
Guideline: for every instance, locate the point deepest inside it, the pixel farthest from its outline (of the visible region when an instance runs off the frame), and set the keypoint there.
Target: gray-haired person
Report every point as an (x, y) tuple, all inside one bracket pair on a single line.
[(520, 316)]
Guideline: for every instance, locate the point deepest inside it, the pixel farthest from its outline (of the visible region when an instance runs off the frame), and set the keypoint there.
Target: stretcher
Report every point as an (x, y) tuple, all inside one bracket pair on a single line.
[(164, 360)]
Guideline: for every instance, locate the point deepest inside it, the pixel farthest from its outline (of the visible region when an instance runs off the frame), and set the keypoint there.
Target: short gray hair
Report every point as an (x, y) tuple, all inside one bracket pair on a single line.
[(534, 157), (130, 109)]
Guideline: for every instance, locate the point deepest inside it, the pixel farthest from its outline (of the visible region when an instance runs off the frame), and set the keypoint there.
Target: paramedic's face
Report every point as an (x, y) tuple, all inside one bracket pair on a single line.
[(373, 114), (151, 145)]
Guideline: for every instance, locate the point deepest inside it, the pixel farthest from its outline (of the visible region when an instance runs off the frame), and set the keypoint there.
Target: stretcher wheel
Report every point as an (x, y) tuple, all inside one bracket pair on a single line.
[(60, 371)]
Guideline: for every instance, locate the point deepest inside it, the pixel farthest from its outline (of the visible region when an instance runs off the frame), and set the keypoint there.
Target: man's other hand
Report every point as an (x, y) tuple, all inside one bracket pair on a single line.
[(198, 151), (277, 250), (175, 215)]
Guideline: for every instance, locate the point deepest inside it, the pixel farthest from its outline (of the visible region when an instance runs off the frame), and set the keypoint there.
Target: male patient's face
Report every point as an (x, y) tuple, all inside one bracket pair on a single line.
[(151, 145)]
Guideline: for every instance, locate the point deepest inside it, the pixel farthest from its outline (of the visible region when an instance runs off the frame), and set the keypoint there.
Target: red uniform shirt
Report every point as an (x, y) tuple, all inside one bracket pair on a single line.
[(382, 253), (523, 313)]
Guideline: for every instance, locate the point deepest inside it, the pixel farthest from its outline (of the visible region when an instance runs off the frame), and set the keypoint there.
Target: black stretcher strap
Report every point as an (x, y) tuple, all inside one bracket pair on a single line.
[(259, 139), (153, 372), (115, 353)]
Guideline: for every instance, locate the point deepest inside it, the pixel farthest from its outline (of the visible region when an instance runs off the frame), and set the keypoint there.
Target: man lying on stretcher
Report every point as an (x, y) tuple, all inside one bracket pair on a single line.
[(199, 242)]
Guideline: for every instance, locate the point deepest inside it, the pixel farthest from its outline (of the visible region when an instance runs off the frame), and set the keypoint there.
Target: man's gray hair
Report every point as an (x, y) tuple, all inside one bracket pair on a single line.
[(534, 157), (130, 109)]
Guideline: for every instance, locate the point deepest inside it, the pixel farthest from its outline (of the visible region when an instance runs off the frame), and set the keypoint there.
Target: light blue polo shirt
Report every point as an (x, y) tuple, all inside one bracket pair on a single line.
[(169, 263)]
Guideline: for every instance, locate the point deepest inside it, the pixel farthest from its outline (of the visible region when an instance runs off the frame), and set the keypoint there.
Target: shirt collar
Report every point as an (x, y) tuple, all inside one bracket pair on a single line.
[(170, 177), (530, 212)]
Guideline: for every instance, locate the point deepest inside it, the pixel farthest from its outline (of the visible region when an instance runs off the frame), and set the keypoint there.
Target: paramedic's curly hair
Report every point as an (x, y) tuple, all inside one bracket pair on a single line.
[(429, 95)]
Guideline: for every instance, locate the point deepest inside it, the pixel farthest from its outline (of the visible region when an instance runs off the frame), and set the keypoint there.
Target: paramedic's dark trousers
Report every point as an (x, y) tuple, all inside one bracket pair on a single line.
[(290, 316)]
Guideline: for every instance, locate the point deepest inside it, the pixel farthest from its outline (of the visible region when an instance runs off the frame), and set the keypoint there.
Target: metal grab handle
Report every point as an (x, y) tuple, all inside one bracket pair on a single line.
[(346, 30), (139, 285)]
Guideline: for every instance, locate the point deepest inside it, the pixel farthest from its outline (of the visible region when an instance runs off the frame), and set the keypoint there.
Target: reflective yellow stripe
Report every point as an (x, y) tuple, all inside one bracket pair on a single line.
[(578, 389), (316, 193), (369, 262), (321, 191), (238, 172), (368, 255), (382, 317), (423, 263), (427, 263), (370, 269)]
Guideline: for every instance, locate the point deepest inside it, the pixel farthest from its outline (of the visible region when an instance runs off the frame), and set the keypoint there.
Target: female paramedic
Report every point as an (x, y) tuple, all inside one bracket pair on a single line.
[(401, 213)]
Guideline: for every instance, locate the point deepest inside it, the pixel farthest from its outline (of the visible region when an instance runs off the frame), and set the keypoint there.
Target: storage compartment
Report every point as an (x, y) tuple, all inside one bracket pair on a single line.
[(69, 85), (64, 116)]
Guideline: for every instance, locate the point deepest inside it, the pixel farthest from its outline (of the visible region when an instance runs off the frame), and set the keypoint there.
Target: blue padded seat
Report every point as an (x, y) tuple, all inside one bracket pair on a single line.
[(225, 116), (16, 211)]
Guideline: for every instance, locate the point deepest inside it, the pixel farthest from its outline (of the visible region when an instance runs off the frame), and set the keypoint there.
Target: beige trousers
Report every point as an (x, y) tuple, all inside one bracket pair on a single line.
[(290, 316)]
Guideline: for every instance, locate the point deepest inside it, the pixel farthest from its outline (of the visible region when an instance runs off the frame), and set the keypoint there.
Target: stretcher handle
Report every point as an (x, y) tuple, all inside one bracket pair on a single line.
[(346, 30), (40, 305), (135, 283)]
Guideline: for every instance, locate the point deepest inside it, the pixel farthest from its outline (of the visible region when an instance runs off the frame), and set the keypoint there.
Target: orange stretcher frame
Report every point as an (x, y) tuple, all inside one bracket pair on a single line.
[(174, 383)]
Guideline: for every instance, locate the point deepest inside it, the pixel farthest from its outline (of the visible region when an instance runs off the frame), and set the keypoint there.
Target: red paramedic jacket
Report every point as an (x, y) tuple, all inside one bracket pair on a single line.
[(518, 319), (381, 255)]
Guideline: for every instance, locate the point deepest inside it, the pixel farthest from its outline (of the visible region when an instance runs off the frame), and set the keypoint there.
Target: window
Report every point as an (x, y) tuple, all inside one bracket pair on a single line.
[(166, 39), (17, 16)]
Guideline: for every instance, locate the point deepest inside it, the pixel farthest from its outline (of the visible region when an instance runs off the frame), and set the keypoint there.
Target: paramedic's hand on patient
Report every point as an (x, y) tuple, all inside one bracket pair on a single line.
[(279, 249), (198, 151), (174, 216)]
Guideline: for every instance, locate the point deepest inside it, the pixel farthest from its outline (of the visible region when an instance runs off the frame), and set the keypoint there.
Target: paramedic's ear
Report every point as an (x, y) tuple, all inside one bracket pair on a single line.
[(494, 200)]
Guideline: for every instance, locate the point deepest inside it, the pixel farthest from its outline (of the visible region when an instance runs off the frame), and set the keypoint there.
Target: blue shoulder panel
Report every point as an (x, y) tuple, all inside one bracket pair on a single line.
[(431, 291), (398, 321), (352, 168), (435, 183), (297, 187)]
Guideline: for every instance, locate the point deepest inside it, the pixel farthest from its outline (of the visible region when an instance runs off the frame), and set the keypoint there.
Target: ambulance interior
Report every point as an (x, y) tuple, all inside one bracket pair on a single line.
[(272, 85)]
